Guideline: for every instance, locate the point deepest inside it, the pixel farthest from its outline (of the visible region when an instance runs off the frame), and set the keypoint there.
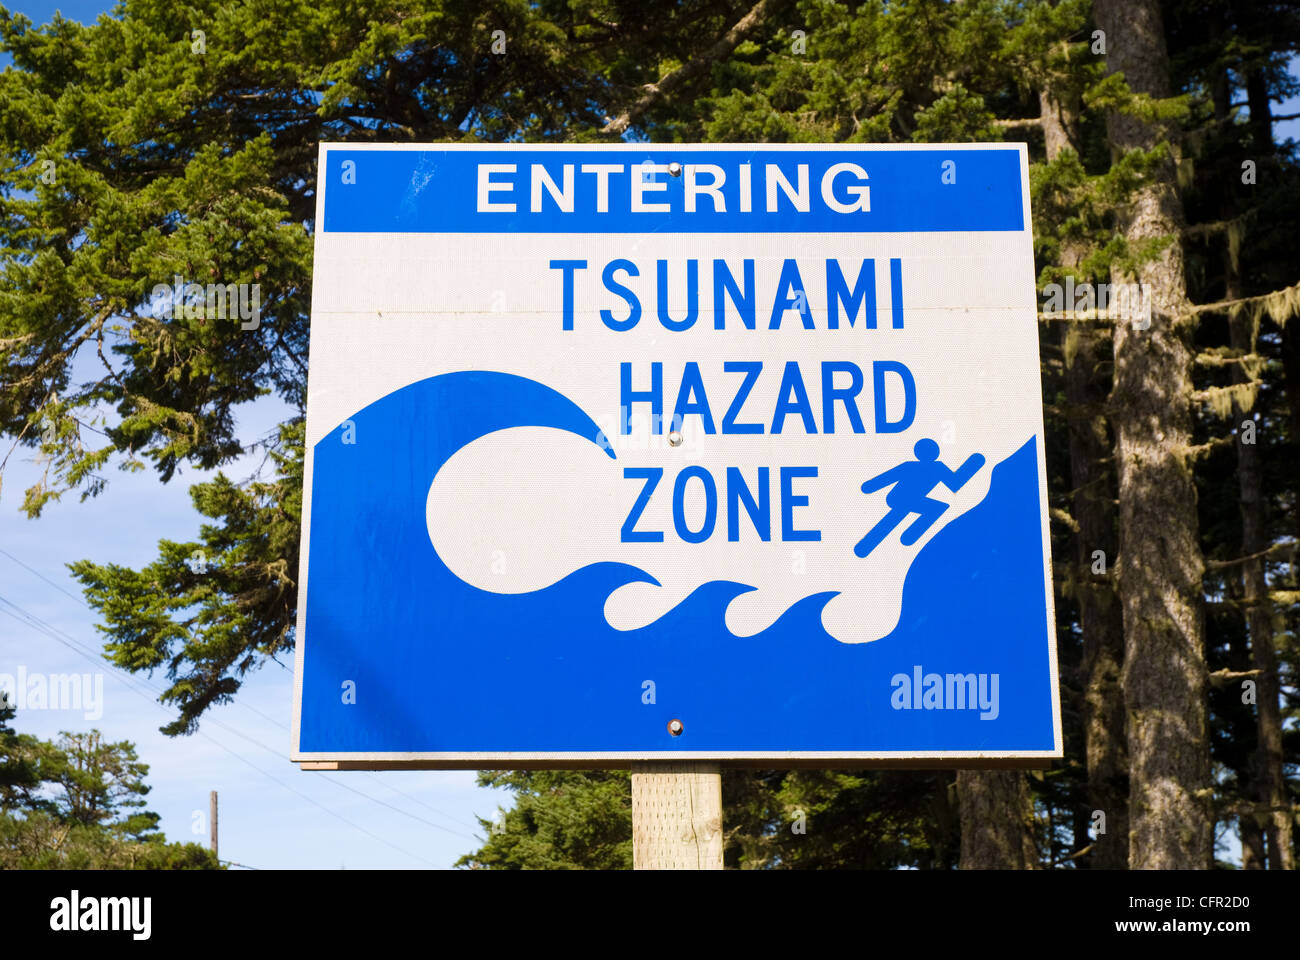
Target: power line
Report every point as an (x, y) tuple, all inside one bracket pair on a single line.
[(427, 806), (248, 706), (317, 804), (381, 803), (74, 644), (38, 574), (52, 632)]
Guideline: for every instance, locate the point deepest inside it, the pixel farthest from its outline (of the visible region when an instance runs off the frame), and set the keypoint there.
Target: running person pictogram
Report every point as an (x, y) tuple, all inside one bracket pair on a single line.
[(912, 482)]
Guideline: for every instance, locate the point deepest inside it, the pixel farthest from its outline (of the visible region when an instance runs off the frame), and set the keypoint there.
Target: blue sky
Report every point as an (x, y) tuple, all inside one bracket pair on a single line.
[(272, 814)]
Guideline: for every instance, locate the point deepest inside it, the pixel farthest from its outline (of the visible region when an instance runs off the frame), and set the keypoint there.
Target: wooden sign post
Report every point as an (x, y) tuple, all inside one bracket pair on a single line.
[(676, 816)]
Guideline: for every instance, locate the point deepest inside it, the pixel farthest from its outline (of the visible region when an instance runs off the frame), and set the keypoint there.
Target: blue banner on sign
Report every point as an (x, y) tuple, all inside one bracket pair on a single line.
[(669, 190)]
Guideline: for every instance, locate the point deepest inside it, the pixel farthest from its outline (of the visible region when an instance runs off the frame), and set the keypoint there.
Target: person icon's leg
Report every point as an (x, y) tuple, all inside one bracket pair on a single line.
[(930, 510), (876, 536)]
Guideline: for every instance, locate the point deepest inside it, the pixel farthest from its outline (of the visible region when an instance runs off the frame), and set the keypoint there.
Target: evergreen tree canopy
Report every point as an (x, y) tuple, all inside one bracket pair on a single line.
[(168, 142)]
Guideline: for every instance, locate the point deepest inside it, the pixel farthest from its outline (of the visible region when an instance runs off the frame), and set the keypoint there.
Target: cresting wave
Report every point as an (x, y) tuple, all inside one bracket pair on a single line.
[(454, 409)]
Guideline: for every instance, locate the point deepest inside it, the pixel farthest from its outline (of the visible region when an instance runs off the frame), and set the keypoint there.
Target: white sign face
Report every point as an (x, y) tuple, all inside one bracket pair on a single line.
[(694, 451)]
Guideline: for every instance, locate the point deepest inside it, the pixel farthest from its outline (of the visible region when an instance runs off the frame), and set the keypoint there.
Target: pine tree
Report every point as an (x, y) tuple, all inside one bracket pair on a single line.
[(78, 803)]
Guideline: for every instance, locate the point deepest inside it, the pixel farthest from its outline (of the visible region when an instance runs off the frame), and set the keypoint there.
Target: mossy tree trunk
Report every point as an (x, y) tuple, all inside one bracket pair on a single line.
[(997, 821), (1086, 351), (1161, 566)]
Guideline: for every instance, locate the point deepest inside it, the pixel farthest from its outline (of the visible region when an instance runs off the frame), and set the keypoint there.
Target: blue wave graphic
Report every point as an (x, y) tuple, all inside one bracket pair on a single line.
[(442, 666)]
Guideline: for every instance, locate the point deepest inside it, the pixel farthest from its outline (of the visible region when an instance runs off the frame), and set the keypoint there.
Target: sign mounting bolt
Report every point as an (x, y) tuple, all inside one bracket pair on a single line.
[(675, 727), (675, 168)]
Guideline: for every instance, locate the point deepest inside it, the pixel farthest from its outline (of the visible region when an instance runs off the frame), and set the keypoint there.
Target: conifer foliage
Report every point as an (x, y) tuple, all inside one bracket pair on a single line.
[(166, 144)]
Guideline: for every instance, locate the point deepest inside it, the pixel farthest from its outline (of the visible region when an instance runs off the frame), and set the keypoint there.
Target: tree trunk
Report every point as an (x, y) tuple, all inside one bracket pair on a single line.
[(1271, 782), (1086, 349), (1291, 382), (997, 821), (1239, 655), (1247, 824), (1161, 565)]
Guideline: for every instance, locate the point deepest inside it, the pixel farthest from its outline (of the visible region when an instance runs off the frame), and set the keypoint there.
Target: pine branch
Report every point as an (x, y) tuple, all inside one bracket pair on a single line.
[(1197, 450), (1229, 400), (1252, 809), (1279, 298), (1284, 546), (1214, 227), (653, 92), (1077, 316), (1211, 359), (1222, 677), (1064, 518)]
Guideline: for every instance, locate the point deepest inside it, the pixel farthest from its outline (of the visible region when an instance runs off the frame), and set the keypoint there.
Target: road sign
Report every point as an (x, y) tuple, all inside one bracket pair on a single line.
[(691, 452)]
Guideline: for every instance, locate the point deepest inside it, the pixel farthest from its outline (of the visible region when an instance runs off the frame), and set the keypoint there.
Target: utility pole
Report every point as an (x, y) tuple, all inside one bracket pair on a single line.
[(212, 820)]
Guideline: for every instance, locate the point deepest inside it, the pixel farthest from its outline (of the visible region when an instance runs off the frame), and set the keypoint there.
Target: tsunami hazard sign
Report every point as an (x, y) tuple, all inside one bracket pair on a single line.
[(637, 452)]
